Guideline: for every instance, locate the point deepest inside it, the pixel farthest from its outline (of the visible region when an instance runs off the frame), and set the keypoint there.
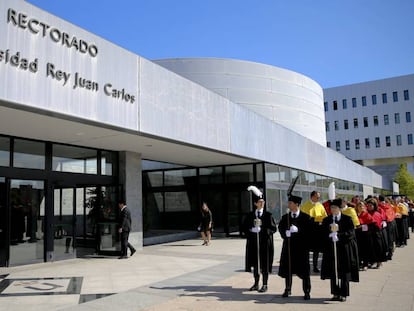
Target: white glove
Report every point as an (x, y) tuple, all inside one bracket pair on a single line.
[(334, 236), (364, 227), (255, 229), (287, 233), (293, 229), (198, 228), (384, 224)]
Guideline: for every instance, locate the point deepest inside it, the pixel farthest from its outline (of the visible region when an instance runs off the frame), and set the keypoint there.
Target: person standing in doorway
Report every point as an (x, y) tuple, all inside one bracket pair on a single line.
[(124, 228)]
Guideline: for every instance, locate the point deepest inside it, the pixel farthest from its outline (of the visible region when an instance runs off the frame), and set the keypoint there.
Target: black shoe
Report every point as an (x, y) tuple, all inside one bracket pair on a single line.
[(254, 287), (306, 297), (342, 299), (316, 270), (335, 298), (286, 293), (263, 289), (133, 251), (123, 257)]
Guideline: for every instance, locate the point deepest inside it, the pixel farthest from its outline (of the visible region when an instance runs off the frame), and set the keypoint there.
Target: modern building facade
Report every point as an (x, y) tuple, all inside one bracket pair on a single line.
[(85, 123), (371, 123)]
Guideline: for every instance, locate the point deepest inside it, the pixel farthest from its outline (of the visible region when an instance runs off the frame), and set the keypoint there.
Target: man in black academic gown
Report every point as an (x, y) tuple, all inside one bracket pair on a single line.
[(259, 225), (295, 229), (341, 265)]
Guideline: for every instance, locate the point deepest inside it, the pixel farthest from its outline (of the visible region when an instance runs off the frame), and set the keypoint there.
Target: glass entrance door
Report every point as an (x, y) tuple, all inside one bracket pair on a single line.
[(27, 221), (64, 222), (4, 233)]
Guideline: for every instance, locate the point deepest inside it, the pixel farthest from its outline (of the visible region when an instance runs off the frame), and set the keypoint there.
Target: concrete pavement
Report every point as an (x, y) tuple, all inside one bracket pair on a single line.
[(184, 275)]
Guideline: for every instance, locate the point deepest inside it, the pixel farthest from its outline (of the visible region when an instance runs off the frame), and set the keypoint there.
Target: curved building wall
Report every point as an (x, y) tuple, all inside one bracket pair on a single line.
[(283, 96)]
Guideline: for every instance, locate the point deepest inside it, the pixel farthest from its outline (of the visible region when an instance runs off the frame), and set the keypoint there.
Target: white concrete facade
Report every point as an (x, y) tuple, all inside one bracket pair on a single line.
[(277, 94), (148, 109), (384, 112)]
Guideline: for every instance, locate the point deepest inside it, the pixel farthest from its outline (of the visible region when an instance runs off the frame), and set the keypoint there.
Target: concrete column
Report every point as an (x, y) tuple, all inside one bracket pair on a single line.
[(130, 176)]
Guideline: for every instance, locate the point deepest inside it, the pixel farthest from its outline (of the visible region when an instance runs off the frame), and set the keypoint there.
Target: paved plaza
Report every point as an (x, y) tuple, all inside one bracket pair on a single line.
[(185, 275)]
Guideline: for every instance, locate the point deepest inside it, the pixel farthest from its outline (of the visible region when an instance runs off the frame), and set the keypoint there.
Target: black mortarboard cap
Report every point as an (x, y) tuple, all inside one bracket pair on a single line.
[(336, 202), (295, 199)]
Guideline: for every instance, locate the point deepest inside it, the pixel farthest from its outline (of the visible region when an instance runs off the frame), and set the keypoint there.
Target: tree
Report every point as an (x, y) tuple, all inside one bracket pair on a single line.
[(405, 180)]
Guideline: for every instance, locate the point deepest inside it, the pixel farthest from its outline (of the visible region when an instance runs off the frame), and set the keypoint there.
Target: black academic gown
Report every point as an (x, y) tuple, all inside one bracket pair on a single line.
[(266, 247), (295, 250), (346, 249)]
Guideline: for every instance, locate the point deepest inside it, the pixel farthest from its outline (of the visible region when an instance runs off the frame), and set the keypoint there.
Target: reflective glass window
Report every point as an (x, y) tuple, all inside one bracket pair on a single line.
[(28, 154), (180, 177), (211, 175), (239, 173), (384, 98), (388, 141), (4, 151), (155, 179), (398, 138), (374, 99), (406, 95), (108, 163), (364, 101), (74, 159), (395, 96)]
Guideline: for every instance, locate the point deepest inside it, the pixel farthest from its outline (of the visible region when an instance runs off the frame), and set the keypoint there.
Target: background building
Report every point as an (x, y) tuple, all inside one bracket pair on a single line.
[(371, 123)]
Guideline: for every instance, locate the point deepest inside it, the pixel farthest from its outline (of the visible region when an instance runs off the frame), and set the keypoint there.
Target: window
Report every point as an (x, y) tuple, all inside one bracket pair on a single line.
[(365, 121), (384, 98), (386, 119), (354, 102), (406, 96), (327, 126), (374, 99), (355, 123), (366, 143), (398, 137), (347, 144), (397, 118), (328, 144), (410, 139), (364, 100), (338, 145), (74, 159), (357, 144), (4, 151), (325, 106), (335, 105), (377, 142), (388, 141), (344, 104), (336, 124), (395, 96), (346, 124), (29, 154), (408, 116), (375, 120)]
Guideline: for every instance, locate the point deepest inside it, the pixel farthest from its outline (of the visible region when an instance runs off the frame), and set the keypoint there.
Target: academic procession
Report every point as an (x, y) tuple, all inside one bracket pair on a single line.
[(342, 239)]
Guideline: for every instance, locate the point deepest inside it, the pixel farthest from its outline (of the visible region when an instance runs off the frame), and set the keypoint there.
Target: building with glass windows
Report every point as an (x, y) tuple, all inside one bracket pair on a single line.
[(85, 123), (371, 123)]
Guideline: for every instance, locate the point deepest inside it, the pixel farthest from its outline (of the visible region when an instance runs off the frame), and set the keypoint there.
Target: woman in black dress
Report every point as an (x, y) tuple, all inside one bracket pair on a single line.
[(206, 224)]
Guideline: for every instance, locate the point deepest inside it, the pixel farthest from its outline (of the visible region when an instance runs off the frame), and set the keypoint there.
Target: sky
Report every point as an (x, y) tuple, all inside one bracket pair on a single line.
[(333, 42)]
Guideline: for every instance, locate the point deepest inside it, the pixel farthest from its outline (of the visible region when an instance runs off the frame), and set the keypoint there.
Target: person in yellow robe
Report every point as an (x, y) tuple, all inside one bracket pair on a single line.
[(314, 208), (350, 211)]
